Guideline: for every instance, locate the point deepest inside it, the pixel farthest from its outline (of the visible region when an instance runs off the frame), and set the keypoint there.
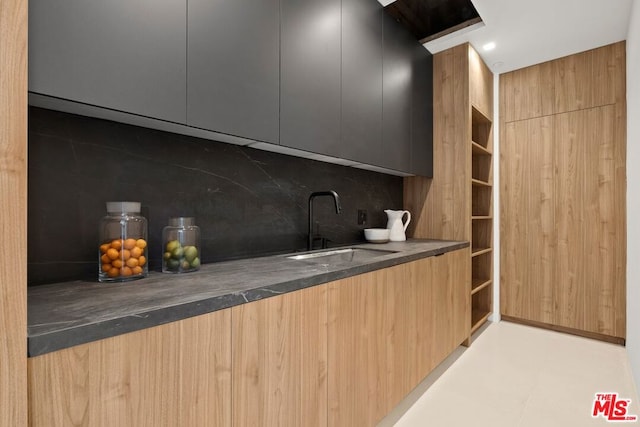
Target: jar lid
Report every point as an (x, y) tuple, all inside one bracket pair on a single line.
[(182, 221), (123, 207)]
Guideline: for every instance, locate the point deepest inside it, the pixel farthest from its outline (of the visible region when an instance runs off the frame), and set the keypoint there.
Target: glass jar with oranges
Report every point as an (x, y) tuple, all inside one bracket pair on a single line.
[(123, 243)]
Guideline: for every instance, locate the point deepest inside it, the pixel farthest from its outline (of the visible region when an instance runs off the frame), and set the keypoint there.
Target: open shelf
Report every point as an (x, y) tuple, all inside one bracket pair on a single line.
[(481, 200), (482, 234), (480, 183), (480, 251), (479, 283), (481, 219), (478, 317), (479, 149), (481, 266), (481, 167), (480, 129)]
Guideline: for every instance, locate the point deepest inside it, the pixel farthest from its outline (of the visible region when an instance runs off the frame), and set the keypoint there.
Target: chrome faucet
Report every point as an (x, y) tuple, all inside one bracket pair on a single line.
[(336, 200)]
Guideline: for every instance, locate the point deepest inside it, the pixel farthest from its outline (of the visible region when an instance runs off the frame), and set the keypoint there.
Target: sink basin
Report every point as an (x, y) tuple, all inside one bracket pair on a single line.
[(340, 256)]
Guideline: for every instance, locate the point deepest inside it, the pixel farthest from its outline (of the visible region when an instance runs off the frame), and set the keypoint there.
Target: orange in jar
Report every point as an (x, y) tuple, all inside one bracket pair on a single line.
[(117, 244), (142, 260), (104, 248), (132, 262), (129, 244), (117, 263), (126, 271), (125, 254), (105, 268), (141, 243), (113, 253), (114, 272), (137, 270), (136, 252), (105, 259)]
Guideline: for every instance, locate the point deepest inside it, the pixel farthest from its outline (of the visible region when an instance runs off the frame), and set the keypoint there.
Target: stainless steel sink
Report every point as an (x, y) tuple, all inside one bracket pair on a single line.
[(340, 256)]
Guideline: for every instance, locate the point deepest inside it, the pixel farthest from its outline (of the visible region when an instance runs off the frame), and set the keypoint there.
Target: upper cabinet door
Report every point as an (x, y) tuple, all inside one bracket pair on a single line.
[(124, 55), (362, 81), (422, 112), (397, 87), (233, 67), (310, 75)]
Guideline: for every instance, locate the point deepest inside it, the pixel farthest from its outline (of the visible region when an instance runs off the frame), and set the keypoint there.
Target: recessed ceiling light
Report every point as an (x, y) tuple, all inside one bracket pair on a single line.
[(489, 46)]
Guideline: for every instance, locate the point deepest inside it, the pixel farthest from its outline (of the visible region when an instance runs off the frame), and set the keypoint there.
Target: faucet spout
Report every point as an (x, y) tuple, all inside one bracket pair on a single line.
[(336, 201)]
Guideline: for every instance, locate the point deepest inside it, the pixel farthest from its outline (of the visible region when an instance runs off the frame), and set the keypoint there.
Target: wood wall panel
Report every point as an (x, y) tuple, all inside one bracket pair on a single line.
[(599, 220), (513, 172), (570, 281), (528, 93), (541, 215), (480, 85), (170, 375), (567, 270), (280, 360), (437, 205), (572, 82), (527, 191), (576, 82), (13, 221)]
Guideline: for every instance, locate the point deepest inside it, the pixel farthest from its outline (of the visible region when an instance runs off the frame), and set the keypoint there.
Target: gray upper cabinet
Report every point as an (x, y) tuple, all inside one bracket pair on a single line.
[(310, 75), (422, 113), (124, 55), (397, 87), (362, 81), (334, 77), (233, 67)]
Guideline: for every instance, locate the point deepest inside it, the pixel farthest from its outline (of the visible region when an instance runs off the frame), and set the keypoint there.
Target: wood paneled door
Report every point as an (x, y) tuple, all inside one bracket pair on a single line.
[(562, 175)]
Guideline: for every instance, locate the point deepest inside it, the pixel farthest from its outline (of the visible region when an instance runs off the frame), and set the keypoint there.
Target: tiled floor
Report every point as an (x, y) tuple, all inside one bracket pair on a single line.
[(519, 376)]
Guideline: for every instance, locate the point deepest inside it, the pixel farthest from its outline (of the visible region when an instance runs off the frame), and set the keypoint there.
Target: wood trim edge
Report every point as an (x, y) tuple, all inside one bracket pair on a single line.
[(563, 329)]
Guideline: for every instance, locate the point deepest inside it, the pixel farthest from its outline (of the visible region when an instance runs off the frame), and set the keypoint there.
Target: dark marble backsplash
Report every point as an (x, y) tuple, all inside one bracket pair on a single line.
[(247, 202)]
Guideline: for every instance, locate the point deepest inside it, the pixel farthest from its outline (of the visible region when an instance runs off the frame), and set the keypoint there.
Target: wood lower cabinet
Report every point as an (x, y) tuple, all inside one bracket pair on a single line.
[(340, 354), (280, 360), (388, 329), (177, 374)]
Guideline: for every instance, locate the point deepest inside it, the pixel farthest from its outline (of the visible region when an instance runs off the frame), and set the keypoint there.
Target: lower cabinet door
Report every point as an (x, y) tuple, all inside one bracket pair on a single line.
[(389, 329), (279, 360), (178, 374)]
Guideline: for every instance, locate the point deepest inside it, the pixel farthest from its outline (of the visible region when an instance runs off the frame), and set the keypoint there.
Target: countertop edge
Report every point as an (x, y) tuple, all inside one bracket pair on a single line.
[(39, 344)]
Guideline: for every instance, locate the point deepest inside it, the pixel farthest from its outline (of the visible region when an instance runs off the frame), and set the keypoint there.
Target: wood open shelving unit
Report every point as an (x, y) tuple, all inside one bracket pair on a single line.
[(481, 218)]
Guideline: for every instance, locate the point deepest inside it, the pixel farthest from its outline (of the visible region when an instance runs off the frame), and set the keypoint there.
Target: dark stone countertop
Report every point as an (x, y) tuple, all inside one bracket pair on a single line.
[(63, 315)]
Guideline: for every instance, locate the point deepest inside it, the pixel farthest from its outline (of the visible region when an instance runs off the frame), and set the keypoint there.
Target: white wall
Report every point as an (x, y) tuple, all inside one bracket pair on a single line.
[(495, 317), (633, 192)]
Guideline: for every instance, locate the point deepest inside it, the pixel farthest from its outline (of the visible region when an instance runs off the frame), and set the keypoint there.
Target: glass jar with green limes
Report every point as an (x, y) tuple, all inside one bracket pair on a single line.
[(181, 251)]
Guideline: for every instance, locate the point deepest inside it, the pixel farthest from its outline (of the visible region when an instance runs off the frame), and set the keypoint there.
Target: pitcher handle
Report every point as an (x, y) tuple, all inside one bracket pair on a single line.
[(406, 224)]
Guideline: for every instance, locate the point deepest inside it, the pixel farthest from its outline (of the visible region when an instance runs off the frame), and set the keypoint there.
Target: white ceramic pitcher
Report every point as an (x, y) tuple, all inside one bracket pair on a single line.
[(396, 226)]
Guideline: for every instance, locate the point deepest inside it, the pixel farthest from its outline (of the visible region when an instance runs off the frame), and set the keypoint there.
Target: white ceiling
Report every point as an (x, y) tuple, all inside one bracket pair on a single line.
[(528, 32)]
